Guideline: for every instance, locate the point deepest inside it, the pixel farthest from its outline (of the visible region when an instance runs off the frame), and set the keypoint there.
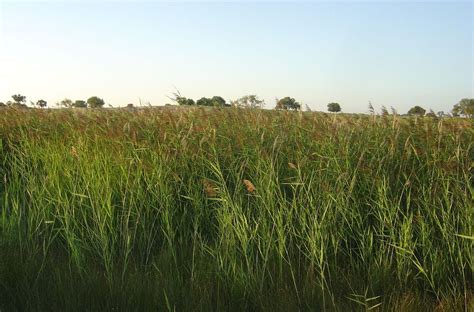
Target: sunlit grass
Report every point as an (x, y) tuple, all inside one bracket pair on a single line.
[(225, 209)]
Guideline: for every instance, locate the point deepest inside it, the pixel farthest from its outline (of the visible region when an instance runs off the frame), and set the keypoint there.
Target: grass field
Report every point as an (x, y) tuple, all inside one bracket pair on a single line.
[(242, 210)]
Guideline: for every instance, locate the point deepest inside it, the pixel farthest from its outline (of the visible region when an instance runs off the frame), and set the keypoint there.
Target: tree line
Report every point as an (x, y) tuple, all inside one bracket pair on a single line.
[(19, 101), (465, 107)]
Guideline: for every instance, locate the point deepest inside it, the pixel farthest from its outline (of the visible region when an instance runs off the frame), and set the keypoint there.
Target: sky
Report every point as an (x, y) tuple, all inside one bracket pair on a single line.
[(392, 53)]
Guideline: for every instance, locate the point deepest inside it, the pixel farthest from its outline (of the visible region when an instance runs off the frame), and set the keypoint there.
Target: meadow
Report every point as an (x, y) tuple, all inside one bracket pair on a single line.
[(234, 209)]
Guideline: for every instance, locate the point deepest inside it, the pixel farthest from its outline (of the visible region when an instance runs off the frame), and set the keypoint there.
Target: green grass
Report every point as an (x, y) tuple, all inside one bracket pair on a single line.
[(148, 210)]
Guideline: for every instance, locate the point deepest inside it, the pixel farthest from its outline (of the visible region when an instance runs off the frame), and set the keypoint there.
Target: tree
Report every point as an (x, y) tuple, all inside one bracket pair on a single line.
[(19, 99), (41, 103), (248, 101), (465, 107), (2, 104), (334, 107), (181, 100), (185, 101), (218, 101), (288, 103), (204, 101), (417, 110), (66, 103), (95, 102), (79, 104), (431, 114), (441, 114), (214, 101)]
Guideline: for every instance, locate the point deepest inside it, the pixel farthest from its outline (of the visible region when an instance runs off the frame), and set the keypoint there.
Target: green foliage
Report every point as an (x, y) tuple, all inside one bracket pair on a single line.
[(19, 99), (417, 110), (248, 101), (66, 103), (245, 210), (214, 101), (95, 102), (431, 114), (41, 103), (79, 104), (181, 100), (288, 103), (465, 107), (185, 101), (218, 101), (334, 107), (204, 102)]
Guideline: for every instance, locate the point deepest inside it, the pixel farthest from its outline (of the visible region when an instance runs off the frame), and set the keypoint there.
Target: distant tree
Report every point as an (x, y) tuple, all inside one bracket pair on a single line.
[(66, 103), (218, 101), (79, 104), (417, 110), (204, 101), (185, 101), (214, 101), (248, 101), (2, 104), (465, 107), (441, 114), (431, 114), (42, 103), (130, 105), (334, 107), (287, 103), (19, 99), (95, 102), (181, 100)]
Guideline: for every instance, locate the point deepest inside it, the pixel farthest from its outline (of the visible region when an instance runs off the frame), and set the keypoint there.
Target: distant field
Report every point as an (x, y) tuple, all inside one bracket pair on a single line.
[(234, 209)]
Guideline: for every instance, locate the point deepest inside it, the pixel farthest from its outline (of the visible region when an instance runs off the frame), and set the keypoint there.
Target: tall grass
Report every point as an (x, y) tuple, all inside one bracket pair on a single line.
[(234, 210)]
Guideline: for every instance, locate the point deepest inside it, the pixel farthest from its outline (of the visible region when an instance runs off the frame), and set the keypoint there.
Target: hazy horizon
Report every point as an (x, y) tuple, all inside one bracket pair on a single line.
[(396, 54)]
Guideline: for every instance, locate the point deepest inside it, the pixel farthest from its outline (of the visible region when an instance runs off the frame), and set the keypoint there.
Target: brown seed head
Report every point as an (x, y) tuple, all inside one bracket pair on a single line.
[(74, 152), (249, 185), (209, 188)]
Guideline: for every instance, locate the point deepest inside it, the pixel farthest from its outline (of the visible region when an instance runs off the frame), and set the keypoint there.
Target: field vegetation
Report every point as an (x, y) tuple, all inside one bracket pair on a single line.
[(234, 209)]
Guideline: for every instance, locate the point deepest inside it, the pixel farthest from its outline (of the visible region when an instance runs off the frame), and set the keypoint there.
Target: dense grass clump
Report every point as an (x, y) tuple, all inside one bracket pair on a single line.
[(226, 209)]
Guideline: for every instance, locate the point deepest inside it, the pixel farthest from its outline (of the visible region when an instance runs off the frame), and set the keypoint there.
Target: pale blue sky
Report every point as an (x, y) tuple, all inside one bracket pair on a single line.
[(396, 54)]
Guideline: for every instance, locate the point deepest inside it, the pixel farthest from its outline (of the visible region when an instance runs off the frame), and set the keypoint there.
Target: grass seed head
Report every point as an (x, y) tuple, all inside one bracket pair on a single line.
[(209, 188), (249, 185), (74, 152)]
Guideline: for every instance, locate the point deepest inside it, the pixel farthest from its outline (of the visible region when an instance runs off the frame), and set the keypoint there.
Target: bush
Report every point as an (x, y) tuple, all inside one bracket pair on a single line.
[(95, 102)]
